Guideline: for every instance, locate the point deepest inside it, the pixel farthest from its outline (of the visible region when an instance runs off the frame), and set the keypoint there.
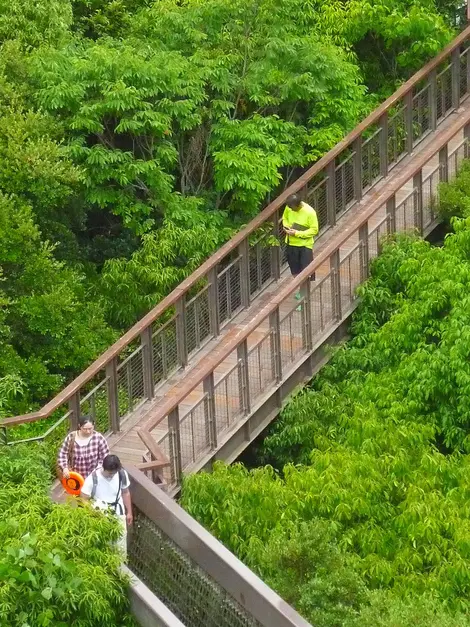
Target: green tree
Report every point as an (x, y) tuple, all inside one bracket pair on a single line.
[(100, 18), (308, 569), (34, 167), (51, 326), (386, 610), (167, 255), (118, 103), (34, 23)]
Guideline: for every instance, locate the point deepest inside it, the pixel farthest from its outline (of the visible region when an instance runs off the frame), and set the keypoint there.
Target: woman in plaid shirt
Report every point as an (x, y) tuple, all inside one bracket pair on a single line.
[(82, 450)]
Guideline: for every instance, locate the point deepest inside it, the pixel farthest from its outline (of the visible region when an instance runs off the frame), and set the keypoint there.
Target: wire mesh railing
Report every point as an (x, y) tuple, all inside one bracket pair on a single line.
[(229, 291), (129, 372), (228, 396), (371, 159), (196, 577)]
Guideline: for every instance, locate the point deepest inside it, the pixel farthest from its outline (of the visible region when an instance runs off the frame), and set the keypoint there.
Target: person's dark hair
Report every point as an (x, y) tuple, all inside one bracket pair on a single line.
[(111, 463), (293, 201), (84, 419)]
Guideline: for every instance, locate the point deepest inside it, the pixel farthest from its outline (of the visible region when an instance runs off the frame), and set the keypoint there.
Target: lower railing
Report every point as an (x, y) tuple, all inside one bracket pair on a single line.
[(194, 575), (281, 337)]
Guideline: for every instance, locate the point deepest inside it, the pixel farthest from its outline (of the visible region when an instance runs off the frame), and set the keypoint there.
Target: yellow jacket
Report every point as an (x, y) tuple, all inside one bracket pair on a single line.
[(306, 217)]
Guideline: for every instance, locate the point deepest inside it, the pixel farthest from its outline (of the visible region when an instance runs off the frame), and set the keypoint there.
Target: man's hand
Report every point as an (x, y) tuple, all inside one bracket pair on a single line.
[(290, 231), (129, 518), (66, 473)]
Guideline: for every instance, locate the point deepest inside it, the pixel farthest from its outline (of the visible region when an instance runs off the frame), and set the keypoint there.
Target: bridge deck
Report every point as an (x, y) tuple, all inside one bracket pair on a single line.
[(127, 443)]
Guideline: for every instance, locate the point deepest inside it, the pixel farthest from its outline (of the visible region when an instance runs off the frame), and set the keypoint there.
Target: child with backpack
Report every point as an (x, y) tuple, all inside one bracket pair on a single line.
[(108, 489)]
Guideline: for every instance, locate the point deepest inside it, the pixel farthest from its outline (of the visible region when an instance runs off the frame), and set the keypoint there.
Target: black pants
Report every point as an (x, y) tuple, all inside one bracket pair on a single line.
[(298, 258)]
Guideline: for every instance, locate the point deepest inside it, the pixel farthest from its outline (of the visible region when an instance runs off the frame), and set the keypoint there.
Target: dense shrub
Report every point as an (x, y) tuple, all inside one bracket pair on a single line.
[(57, 566)]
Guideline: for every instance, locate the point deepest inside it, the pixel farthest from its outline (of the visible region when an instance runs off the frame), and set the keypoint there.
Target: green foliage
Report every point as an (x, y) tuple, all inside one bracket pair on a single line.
[(18, 465), (57, 566), (34, 23), (309, 571), (34, 167), (386, 610), (49, 326), (97, 18), (454, 198), (186, 238), (392, 38), (119, 102), (376, 449)]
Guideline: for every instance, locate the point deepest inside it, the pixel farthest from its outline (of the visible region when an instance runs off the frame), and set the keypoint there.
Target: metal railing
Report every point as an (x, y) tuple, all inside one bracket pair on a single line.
[(192, 573), (125, 376), (283, 335)]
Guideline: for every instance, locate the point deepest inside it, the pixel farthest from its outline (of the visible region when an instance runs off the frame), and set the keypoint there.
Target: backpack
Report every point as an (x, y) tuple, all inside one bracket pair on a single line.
[(122, 479)]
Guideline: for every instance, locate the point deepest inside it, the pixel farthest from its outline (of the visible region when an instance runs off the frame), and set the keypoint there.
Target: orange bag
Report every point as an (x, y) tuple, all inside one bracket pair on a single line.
[(74, 483)]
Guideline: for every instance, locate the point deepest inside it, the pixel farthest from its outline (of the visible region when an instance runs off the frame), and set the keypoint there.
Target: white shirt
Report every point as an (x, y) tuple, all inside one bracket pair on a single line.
[(107, 489), (83, 441)]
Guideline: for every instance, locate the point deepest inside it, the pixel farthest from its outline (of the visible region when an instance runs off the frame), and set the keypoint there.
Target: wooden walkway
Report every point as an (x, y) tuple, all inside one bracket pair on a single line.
[(127, 443)]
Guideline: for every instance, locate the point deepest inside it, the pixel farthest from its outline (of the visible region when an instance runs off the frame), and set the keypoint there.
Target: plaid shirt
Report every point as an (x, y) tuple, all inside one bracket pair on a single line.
[(85, 458)]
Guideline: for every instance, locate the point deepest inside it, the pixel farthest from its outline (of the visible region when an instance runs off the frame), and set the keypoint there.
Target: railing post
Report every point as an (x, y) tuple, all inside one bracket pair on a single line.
[(244, 386), (147, 361), (276, 250), (181, 340), (364, 251), (433, 99), (391, 207), (176, 466), (276, 356), (455, 70), (244, 252), (113, 395), (213, 281), (443, 164), (357, 147), (209, 413), (331, 193), (336, 285), (383, 144), (307, 335), (243, 378), (409, 120), (74, 408), (418, 201), (467, 65), (466, 134)]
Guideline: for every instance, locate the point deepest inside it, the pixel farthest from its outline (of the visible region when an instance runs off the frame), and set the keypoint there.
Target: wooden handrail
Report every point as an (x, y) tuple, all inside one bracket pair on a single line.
[(169, 301), (197, 375), (153, 448), (157, 464)]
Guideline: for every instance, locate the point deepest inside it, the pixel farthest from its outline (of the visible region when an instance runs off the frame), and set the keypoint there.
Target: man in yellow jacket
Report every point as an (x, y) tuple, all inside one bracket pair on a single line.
[(300, 224)]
